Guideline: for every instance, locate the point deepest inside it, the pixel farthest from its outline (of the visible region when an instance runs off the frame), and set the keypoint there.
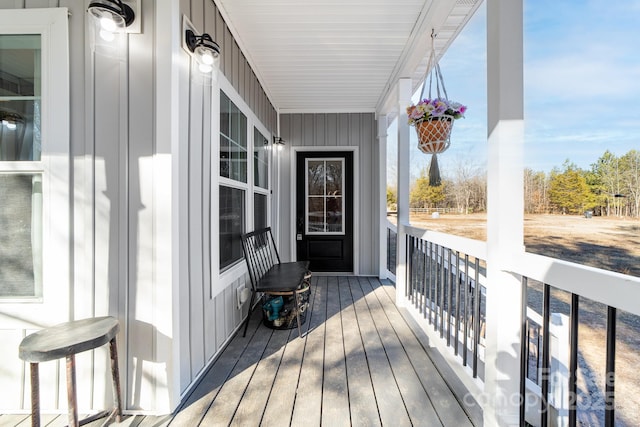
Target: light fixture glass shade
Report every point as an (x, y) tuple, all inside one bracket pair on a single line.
[(205, 53), (109, 19)]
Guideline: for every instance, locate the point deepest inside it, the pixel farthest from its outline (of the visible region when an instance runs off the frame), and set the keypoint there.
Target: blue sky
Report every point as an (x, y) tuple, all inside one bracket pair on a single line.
[(582, 85)]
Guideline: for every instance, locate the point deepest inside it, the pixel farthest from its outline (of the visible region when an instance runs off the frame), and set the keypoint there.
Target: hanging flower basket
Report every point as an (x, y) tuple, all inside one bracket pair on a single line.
[(434, 134), (433, 117)]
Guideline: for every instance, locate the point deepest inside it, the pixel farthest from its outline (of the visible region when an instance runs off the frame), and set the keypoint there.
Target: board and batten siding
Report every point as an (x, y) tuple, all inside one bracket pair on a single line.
[(207, 319), (141, 209), (315, 130)]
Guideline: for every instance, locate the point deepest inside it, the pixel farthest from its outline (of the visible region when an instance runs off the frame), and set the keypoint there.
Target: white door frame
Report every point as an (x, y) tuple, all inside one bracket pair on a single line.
[(356, 196)]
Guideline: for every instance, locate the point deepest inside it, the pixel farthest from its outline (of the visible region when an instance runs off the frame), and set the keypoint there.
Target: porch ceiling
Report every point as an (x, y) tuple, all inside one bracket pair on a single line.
[(340, 55)]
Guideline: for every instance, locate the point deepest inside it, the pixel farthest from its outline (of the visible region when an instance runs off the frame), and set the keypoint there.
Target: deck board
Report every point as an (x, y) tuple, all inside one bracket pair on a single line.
[(335, 400), (224, 406), (308, 405), (391, 407), (440, 395), (362, 399), (282, 398), (413, 394), (358, 363)]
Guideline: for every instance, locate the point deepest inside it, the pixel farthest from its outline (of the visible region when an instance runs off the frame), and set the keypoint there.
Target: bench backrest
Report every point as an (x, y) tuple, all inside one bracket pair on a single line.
[(260, 253)]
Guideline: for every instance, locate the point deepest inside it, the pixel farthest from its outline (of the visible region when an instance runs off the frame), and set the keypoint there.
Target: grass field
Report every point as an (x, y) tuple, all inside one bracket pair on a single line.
[(603, 242)]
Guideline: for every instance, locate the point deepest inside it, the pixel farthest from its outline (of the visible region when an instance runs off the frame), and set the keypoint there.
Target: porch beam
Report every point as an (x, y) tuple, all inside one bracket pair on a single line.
[(403, 167), (505, 210)]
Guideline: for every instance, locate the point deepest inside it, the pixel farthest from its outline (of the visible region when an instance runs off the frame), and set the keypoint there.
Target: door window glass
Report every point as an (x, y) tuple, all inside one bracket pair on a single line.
[(324, 199)]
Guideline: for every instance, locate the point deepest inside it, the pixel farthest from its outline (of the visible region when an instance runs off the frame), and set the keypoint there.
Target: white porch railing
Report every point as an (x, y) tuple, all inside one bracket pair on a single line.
[(445, 291)]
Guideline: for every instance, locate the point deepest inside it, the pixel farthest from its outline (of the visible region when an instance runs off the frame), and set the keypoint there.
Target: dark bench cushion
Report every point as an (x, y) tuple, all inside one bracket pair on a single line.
[(283, 277)]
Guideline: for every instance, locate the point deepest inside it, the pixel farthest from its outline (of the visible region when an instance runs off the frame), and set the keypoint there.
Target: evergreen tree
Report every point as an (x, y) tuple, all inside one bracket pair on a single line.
[(568, 190)]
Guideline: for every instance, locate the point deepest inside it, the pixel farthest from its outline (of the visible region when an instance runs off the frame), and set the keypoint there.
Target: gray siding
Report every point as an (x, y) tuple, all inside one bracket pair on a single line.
[(207, 321), (344, 130)]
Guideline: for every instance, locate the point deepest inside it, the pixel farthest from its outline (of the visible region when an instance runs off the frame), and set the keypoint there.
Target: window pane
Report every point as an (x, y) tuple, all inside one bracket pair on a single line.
[(225, 117), (20, 82), (225, 157), (233, 141), (238, 163), (260, 159), (316, 177), (21, 236), (334, 214), (232, 222), (316, 214), (259, 211), (334, 178)]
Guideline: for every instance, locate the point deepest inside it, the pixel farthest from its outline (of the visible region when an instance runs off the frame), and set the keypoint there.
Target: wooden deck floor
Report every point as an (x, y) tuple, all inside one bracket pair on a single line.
[(358, 364)]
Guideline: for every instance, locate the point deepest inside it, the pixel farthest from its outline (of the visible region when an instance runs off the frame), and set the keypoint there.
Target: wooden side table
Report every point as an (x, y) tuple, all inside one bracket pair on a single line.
[(65, 340)]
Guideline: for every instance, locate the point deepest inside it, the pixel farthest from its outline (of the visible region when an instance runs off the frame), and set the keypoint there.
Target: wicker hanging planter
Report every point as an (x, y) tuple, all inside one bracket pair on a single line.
[(434, 117), (434, 134)]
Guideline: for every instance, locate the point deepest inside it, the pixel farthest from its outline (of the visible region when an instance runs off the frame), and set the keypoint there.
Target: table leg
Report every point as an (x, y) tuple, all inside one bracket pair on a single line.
[(71, 391), (115, 375), (35, 395)]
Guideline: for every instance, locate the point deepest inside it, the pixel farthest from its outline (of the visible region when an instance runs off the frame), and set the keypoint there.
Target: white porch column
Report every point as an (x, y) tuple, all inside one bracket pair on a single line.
[(505, 206), (404, 161), (383, 123)]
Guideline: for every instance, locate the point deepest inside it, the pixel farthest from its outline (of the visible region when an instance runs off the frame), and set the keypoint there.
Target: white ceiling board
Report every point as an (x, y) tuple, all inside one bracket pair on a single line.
[(339, 55)]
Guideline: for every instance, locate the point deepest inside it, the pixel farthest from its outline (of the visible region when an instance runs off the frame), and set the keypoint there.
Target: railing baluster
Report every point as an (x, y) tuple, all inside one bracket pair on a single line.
[(410, 267), (449, 297), (574, 321), (442, 290), (456, 320), (389, 249), (610, 378), (407, 279), (476, 318), (424, 279), (430, 258), (466, 310), (436, 289), (546, 357), (524, 351)]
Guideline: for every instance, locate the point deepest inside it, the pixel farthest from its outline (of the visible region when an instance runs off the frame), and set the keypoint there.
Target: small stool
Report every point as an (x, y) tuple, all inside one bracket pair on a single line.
[(65, 340)]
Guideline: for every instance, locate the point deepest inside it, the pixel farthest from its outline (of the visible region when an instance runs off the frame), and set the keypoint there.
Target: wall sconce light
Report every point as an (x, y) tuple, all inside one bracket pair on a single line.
[(278, 142), (205, 51), (110, 16)]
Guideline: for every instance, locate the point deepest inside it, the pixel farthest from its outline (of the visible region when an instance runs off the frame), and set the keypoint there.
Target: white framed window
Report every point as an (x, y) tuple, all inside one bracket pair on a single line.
[(244, 187), (34, 161)]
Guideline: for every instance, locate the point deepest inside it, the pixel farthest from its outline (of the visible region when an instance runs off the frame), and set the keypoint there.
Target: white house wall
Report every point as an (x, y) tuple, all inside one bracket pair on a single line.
[(141, 209)]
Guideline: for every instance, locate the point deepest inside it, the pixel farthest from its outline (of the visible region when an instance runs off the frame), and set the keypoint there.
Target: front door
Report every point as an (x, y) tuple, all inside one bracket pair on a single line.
[(324, 210)]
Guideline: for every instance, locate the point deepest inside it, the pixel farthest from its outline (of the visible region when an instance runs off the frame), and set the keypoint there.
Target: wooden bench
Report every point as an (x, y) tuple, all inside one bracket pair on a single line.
[(269, 275), (66, 340)]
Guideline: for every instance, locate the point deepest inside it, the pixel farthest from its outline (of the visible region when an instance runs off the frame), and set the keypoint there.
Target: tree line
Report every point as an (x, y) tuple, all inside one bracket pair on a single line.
[(611, 187)]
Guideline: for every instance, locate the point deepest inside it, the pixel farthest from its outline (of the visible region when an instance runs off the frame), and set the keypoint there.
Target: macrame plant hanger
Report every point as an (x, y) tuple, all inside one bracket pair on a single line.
[(434, 134)]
